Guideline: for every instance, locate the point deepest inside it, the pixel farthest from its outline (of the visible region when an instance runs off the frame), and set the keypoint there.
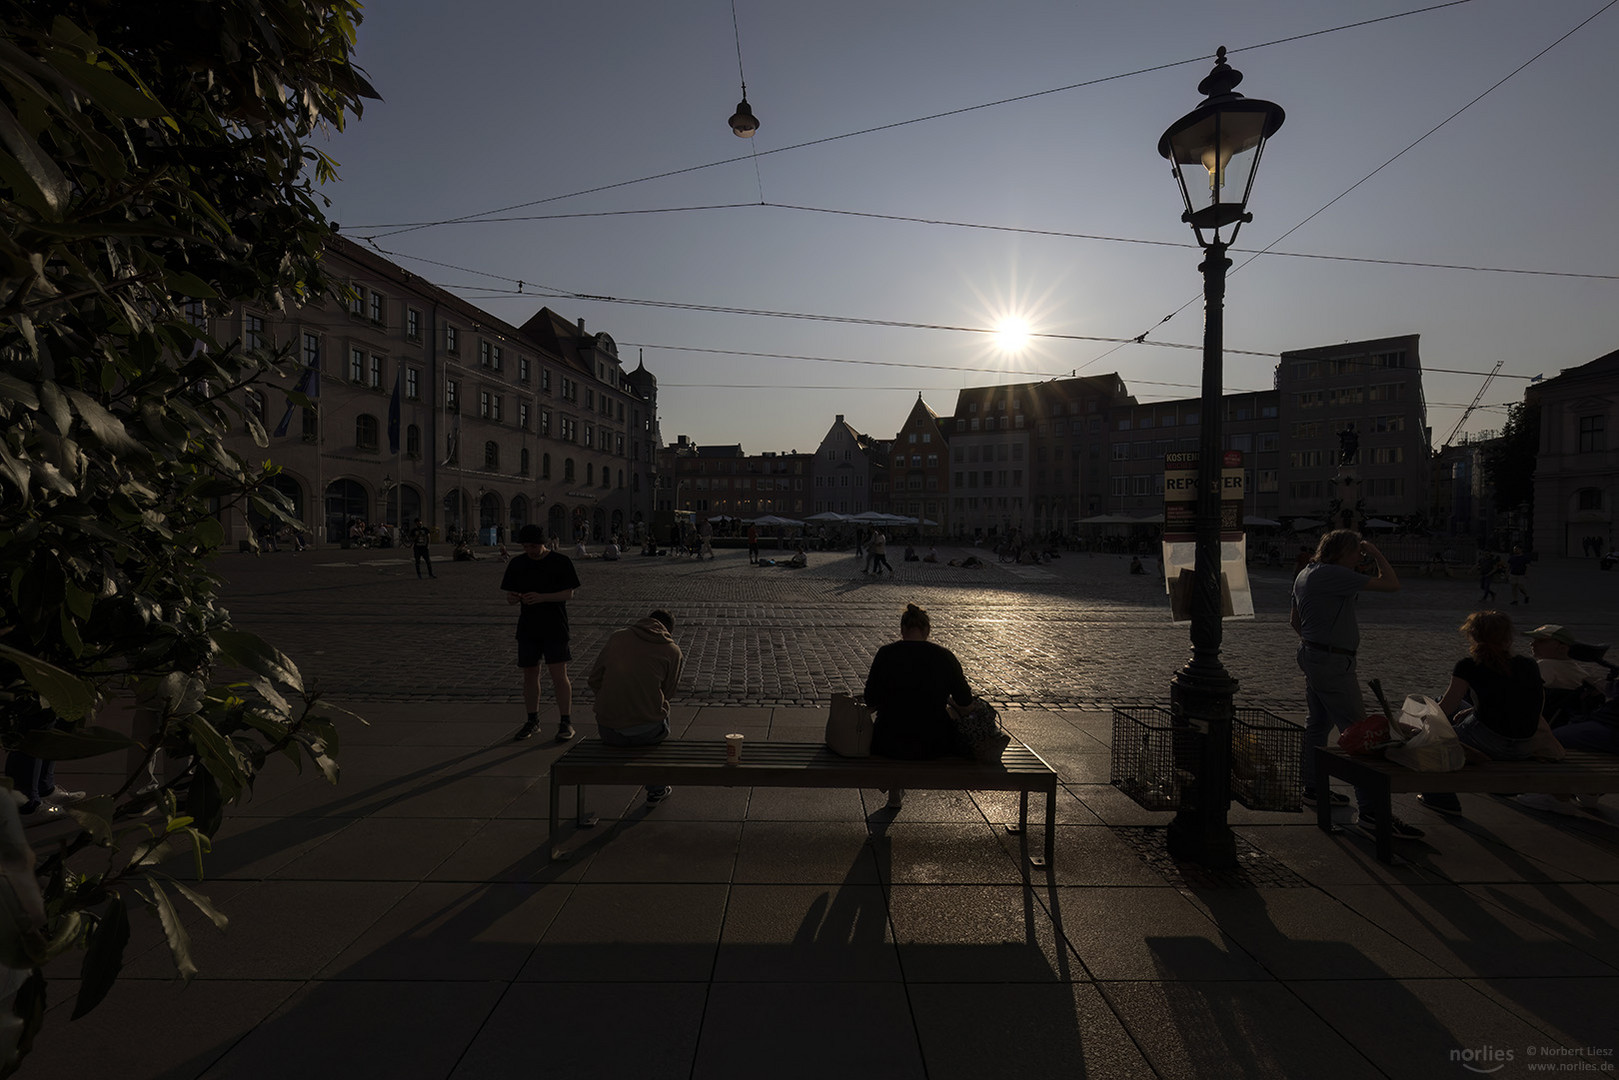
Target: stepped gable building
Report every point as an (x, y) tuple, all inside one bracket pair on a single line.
[(1031, 457), (1373, 389), (496, 426), (850, 468), (918, 480), (1577, 467)]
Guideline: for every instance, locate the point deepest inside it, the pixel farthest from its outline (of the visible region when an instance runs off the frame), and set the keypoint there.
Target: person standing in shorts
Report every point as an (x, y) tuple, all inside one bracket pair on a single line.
[(542, 581)]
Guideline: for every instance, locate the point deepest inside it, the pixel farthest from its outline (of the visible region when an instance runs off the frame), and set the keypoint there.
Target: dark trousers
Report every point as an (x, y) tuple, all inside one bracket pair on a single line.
[(421, 555)]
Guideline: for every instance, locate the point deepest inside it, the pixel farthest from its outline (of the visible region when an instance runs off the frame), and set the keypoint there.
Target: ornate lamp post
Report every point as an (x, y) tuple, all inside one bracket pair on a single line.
[(1215, 152)]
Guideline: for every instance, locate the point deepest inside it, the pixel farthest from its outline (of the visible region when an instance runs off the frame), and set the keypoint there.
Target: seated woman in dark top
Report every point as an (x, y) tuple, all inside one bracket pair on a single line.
[(910, 684), (1494, 697)]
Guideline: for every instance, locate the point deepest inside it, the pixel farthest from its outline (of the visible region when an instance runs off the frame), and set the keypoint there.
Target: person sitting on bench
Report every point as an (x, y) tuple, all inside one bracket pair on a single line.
[(910, 684), (632, 678)]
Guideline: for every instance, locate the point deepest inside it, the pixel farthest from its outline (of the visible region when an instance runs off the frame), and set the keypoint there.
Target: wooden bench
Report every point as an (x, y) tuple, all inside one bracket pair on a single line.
[(1581, 772), (701, 762)]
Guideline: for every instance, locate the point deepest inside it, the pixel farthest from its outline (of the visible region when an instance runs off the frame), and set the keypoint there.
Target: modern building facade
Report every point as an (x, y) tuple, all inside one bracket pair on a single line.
[(1577, 467), (426, 406), (1371, 390)]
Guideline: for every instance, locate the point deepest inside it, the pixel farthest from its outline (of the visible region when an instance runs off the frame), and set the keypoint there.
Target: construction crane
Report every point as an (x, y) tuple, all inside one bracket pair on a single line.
[(1476, 399)]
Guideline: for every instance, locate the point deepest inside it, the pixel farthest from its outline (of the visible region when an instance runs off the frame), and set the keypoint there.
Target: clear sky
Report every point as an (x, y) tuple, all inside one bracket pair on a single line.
[(572, 111)]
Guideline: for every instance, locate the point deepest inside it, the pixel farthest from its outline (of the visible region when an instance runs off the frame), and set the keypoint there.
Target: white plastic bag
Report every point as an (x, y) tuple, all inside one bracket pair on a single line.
[(1427, 741)]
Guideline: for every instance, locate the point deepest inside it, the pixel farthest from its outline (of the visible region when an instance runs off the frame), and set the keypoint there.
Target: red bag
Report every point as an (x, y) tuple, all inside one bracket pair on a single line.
[(1368, 737)]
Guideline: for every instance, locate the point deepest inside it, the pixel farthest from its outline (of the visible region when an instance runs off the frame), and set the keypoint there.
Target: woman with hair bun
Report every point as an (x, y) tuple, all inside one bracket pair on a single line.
[(910, 684), (1494, 698)]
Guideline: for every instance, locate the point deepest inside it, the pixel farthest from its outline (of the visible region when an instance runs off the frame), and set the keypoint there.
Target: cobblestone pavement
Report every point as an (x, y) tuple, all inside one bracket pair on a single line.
[(1078, 632)]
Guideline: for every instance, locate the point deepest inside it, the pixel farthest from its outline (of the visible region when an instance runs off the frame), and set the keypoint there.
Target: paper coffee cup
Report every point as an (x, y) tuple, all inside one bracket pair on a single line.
[(733, 749)]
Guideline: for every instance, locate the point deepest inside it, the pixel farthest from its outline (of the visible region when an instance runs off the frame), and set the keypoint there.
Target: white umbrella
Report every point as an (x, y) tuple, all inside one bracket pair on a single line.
[(1252, 519), (1107, 519), (827, 515), (772, 519), (871, 517), (1150, 519), (1307, 523), (1380, 523)]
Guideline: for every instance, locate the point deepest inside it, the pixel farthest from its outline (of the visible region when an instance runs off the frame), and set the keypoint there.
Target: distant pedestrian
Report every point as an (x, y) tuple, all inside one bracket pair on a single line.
[(1489, 564), (753, 544), (542, 581), (1517, 569), (419, 536), (879, 553)]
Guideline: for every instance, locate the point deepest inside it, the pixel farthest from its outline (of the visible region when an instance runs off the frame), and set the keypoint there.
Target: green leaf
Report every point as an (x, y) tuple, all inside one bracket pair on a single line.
[(174, 930), (64, 694), (204, 905), (204, 803), (219, 756), (104, 958), (94, 816), (102, 424), (253, 653), (75, 743)]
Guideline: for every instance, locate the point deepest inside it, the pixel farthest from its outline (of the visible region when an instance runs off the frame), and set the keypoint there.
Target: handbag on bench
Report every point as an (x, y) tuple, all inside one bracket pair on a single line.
[(848, 728), (979, 728)]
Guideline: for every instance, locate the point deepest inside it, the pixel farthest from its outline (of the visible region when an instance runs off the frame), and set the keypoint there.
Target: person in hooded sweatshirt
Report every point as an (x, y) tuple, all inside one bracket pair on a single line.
[(633, 677)]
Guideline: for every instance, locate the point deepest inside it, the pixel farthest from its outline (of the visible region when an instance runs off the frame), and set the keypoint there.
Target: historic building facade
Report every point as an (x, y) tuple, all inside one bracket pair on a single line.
[(918, 479), (423, 405), (849, 468)]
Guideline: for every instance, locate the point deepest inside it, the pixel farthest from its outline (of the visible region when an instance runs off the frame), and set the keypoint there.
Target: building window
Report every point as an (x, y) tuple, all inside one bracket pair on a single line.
[(522, 369), (413, 324), (1593, 434), (567, 470), (365, 432), (253, 332), (312, 350), (1589, 498), (356, 366), (545, 380), (452, 340), (375, 381), (522, 415), (357, 301), (522, 462), (545, 422), (452, 395), (483, 403), (545, 466), (499, 408), (413, 441), (311, 425), (413, 388), (491, 455), (378, 310)]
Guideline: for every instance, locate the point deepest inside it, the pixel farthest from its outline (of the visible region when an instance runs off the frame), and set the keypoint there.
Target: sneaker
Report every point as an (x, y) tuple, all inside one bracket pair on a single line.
[(63, 797), (1588, 802), (564, 732), (658, 794), (1399, 829), (1443, 801), (1550, 804), (526, 731), (1338, 798), (40, 811)]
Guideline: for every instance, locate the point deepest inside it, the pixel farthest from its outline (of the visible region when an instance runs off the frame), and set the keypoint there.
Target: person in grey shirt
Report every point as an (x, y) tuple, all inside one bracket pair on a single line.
[(1323, 615)]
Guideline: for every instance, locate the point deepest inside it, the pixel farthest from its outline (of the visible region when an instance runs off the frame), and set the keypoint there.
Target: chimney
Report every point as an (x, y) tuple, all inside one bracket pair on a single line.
[(581, 328), (840, 418)]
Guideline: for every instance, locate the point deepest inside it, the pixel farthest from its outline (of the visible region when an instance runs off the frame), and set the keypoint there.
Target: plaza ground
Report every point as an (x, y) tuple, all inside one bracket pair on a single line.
[(407, 922)]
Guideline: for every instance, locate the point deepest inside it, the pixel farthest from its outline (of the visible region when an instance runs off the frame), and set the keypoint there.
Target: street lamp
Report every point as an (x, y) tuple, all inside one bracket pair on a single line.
[(1223, 138), (387, 486)]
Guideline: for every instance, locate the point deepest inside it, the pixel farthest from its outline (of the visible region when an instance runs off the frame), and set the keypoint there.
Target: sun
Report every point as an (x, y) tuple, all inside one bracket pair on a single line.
[(1012, 335)]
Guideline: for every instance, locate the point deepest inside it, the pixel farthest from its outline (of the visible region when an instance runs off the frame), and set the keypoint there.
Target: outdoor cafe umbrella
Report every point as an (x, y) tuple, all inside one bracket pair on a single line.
[(1380, 523), (1300, 524), (828, 516), (772, 519), (1252, 519)]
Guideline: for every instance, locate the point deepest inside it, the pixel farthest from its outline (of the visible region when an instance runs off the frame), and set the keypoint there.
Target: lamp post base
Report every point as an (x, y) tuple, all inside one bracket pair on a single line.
[(1203, 703)]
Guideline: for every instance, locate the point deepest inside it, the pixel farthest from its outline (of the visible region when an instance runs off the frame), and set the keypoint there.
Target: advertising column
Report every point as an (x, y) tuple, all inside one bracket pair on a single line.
[(1180, 547)]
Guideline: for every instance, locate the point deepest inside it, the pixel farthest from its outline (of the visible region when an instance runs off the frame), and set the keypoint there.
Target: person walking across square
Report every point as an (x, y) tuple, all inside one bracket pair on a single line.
[(634, 675), (419, 536), (542, 581), (1517, 571), (1323, 616), (879, 553)]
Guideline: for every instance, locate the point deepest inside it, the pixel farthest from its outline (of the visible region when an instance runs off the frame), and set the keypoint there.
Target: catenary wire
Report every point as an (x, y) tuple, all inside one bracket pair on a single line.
[(405, 227)]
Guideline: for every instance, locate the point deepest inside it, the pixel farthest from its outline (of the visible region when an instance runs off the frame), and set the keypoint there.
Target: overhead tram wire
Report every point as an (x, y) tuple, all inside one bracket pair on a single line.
[(1491, 89), (399, 228), (1025, 230)]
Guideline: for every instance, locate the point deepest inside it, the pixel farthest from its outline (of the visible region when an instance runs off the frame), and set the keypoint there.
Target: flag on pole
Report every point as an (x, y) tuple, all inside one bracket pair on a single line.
[(450, 445), (309, 386), (393, 413)]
